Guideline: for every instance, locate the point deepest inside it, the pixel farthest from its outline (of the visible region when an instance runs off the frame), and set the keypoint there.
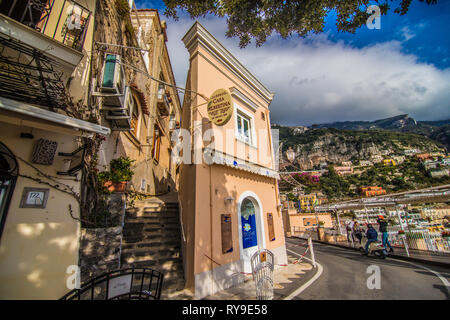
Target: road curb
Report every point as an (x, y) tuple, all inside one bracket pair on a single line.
[(394, 256), (304, 286)]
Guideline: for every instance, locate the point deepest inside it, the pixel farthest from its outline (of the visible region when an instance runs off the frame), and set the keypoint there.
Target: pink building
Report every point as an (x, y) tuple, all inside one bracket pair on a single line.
[(230, 204)]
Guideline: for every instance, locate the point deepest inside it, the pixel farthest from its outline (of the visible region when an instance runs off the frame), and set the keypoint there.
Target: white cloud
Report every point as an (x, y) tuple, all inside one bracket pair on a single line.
[(407, 33), (317, 80)]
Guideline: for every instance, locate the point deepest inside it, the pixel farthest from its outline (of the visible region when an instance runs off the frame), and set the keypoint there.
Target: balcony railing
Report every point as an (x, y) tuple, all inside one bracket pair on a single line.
[(163, 102), (65, 21)]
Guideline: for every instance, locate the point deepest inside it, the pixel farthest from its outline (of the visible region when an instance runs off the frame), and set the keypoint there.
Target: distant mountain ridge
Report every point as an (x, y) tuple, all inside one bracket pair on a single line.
[(435, 130)]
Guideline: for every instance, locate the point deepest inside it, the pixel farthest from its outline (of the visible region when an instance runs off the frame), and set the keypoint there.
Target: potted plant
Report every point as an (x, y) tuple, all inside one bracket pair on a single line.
[(401, 232), (115, 180)]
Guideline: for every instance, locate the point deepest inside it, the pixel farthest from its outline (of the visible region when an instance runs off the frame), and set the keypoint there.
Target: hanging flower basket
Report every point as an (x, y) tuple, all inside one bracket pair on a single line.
[(401, 232), (445, 234)]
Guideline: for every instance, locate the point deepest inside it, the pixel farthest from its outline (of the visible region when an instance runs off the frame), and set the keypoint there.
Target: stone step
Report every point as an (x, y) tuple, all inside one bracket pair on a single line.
[(155, 243), (158, 215), (142, 219), (173, 239), (173, 285), (156, 251), (149, 211), (164, 265), (175, 228), (152, 239), (156, 262)]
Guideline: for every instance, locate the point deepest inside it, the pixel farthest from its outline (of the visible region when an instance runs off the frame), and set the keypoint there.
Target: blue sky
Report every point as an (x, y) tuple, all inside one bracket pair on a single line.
[(402, 68)]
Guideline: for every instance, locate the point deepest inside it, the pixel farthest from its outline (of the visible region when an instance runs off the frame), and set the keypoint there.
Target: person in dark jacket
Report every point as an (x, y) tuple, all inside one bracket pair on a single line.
[(372, 236), (357, 231), (383, 229)]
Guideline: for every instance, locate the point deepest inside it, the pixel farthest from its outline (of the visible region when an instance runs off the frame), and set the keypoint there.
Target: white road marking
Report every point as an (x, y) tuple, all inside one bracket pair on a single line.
[(307, 284), (444, 281)]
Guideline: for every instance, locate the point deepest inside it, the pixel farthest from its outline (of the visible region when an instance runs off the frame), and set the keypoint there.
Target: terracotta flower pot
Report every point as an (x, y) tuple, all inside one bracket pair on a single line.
[(115, 186)]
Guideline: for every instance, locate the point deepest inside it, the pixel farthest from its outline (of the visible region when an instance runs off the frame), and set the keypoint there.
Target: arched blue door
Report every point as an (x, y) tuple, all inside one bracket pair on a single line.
[(248, 223)]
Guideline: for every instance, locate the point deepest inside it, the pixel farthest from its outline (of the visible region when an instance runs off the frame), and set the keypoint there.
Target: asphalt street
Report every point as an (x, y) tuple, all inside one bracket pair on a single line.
[(346, 272)]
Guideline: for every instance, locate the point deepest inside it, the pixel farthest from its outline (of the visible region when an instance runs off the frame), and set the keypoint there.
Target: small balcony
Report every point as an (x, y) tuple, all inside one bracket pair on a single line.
[(163, 102), (41, 44), (57, 27)]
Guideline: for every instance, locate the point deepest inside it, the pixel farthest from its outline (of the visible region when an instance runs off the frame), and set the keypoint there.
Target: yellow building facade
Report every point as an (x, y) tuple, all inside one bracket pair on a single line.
[(48, 53)]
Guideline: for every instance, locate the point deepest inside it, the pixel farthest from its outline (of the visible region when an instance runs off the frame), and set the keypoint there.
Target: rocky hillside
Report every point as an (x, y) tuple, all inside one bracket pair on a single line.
[(333, 146), (436, 130)]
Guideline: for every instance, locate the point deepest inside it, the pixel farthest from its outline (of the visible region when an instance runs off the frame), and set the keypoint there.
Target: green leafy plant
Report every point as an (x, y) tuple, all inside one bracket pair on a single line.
[(120, 171)]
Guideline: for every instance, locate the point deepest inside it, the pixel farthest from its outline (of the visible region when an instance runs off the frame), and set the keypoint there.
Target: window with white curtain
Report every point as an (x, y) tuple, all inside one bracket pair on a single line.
[(244, 128)]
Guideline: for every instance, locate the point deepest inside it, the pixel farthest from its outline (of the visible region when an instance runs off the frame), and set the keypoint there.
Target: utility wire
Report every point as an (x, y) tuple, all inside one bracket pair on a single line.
[(146, 73)]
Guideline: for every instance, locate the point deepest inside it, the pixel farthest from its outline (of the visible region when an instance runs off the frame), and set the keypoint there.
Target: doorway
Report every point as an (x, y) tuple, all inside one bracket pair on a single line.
[(251, 228), (8, 175)]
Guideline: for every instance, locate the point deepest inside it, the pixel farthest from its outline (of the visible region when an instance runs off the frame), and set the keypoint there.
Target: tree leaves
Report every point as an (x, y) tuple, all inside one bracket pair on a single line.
[(258, 19)]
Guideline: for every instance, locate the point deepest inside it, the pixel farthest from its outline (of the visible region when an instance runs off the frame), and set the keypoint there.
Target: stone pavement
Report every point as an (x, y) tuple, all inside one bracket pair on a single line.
[(286, 280)]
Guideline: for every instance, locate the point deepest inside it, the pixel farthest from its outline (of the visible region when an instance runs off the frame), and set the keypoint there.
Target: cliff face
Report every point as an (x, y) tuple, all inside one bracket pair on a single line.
[(436, 130), (334, 146)]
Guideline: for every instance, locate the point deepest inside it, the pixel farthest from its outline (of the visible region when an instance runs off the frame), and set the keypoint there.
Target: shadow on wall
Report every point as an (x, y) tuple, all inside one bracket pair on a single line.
[(224, 198), (158, 180), (34, 258)]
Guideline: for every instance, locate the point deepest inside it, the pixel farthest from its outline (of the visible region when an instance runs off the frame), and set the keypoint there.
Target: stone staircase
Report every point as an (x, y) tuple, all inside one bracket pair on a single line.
[(152, 238)]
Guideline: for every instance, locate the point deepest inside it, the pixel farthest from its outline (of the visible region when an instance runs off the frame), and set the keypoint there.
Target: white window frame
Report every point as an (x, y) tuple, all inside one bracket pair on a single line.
[(251, 119)]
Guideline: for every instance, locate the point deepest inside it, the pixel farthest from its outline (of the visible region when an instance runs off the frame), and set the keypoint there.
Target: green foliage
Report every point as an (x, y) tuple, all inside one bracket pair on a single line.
[(103, 177), (258, 19), (292, 197), (122, 8), (120, 170), (102, 217)]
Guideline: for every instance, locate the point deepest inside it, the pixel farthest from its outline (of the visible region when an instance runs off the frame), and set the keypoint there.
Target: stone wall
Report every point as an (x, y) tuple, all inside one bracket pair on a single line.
[(99, 251), (100, 248)]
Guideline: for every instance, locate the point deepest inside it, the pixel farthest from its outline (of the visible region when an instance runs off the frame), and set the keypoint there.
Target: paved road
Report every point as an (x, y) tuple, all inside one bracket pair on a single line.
[(345, 277)]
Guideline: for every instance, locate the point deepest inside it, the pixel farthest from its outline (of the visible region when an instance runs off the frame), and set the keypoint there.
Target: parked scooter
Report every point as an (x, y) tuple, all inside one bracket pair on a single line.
[(375, 248)]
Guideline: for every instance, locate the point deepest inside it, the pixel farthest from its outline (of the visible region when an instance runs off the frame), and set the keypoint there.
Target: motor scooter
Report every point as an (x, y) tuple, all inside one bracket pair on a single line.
[(375, 248)]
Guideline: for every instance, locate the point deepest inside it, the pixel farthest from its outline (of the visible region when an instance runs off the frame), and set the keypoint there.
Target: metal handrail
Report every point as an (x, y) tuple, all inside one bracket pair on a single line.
[(142, 291)]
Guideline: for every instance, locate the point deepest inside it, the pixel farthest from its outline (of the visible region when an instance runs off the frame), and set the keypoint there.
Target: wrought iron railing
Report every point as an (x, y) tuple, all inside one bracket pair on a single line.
[(28, 75), (125, 284), (67, 23)]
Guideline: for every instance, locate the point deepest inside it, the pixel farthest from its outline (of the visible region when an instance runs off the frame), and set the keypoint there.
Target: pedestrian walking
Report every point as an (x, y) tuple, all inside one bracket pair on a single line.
[(372, 236), (383, 229), (357, 231), (350, 231)]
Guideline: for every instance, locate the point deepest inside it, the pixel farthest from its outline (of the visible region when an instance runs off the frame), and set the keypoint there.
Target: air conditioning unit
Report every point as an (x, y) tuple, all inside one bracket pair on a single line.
[(112, 74), (120, 117)]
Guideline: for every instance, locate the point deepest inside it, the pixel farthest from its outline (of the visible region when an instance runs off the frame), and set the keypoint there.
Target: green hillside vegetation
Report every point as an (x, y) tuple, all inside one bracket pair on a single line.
[(407, 176), (360, 139), (400, 123)]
